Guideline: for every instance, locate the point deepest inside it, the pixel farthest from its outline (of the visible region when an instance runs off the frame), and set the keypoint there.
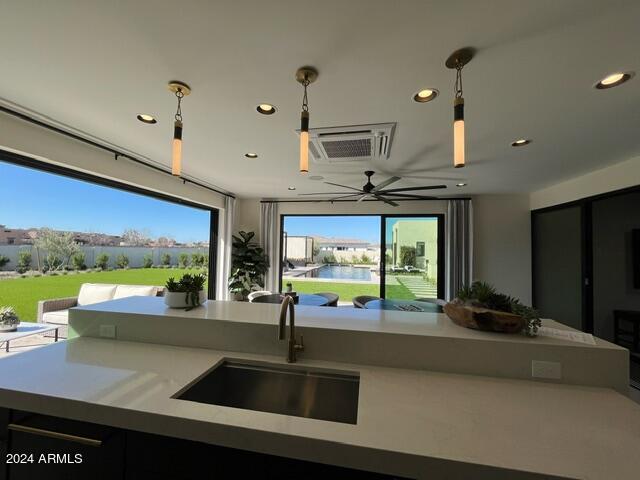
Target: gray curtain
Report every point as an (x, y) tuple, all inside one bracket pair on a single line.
[(269, 239), (224, 256), (459, 240)]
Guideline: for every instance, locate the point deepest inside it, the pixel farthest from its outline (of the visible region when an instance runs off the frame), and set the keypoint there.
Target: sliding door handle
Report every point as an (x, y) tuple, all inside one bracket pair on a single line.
[(92, 442)]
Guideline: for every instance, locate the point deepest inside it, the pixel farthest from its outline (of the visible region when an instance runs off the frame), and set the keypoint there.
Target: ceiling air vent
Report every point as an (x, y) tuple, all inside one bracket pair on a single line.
[(354, 143)]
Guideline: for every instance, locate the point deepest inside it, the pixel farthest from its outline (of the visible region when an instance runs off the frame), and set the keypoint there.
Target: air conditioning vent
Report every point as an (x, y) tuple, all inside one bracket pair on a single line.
[(355, 143)]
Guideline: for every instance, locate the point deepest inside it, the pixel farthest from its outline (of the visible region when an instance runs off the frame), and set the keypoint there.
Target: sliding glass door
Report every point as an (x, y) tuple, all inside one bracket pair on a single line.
[(413, 258)]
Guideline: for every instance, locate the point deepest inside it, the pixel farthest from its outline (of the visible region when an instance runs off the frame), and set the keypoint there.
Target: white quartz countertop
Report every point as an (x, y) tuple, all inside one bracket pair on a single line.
[(410, 422), (353, 319)]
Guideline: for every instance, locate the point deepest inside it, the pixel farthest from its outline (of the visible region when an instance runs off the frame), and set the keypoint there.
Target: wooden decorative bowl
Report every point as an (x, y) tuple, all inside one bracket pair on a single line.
[(485, 319)]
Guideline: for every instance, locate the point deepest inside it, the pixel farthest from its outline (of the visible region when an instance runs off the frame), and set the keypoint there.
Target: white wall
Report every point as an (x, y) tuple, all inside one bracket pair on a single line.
[(621, 175), (31, 140), (502, 238)]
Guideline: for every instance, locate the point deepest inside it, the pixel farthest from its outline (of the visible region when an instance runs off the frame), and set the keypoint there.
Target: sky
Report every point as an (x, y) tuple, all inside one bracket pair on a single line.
[(31, 198), (355, 226)]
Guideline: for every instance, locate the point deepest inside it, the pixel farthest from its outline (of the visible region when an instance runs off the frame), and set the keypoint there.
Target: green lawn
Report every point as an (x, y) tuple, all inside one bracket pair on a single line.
[(346, 291), (23, 293)]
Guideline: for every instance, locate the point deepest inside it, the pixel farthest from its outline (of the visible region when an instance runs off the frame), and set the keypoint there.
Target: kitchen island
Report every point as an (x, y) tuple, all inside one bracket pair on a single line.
[(411, 422)]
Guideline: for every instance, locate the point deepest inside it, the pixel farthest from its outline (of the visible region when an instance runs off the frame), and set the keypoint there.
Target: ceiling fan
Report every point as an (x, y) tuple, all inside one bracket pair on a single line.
[(379, 192)]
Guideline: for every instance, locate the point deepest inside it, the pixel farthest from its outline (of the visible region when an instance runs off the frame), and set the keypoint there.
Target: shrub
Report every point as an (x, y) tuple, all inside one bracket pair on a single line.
[(407, 256), (4, 260), (183, 260), (330, 259), (24, 261), (165, 259), (364, 259), (147, 261), (122, 261), (102, 261), (197, 260), (77, 261)]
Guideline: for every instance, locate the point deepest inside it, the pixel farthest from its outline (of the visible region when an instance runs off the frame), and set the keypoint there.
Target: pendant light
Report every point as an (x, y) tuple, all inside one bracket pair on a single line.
[(457, 60), (180, 90), (305, 76)]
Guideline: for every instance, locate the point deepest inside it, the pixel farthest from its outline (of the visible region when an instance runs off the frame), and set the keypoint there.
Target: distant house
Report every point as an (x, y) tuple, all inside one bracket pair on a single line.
[(16, 236), (419, 235)]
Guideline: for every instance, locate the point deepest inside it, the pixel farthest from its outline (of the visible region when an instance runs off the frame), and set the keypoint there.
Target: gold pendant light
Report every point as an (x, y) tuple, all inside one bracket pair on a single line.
[(305, 76), (180, 90), (457, 60)]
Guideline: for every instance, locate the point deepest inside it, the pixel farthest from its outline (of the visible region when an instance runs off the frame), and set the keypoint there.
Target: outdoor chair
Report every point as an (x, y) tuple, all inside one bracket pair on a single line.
[(332, 298), (359, 302)]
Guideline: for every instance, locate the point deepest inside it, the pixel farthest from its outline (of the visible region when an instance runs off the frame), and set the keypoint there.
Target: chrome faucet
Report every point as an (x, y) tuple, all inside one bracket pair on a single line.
[(293, 347)]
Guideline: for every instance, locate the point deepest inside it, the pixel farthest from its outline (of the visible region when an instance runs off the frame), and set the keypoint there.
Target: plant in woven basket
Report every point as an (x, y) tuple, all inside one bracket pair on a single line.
[(482, 294)]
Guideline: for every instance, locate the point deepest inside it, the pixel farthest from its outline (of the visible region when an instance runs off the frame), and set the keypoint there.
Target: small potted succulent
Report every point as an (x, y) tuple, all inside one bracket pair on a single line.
[(188, 292), (8, 319)]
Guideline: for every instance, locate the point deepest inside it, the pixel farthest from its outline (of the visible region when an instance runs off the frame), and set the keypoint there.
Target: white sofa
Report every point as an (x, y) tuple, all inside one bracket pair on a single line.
[(56, 311)]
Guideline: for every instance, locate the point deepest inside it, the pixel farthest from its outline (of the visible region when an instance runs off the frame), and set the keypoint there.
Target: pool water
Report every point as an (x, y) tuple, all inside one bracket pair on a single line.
[(342, 272)]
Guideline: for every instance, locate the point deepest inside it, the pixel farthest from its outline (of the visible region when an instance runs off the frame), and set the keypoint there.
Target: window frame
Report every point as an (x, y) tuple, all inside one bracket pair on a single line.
[(29, 162)]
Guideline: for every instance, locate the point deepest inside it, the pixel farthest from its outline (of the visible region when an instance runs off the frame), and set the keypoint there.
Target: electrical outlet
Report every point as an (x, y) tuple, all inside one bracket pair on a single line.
[(108, 331), (542, 369)]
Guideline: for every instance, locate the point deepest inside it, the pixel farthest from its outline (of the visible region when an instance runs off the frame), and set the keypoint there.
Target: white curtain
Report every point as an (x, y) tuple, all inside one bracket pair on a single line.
[(226, 226), (269, 239), (459, 246)]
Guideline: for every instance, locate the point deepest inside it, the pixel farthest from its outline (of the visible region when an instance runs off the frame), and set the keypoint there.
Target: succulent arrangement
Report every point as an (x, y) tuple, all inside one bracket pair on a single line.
[(8, 319), (482, 294), (190, 285)]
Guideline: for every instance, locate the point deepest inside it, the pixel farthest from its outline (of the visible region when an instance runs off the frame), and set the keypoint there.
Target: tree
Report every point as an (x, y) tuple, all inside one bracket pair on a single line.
[(248, 265), (407, 256), (59, 246), (135, 238)]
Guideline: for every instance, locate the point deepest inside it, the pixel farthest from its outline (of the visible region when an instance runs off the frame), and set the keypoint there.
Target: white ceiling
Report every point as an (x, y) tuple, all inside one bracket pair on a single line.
[(94, 65)]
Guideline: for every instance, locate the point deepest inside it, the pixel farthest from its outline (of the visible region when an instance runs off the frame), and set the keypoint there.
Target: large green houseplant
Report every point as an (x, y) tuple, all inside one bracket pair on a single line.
[(248, 265)]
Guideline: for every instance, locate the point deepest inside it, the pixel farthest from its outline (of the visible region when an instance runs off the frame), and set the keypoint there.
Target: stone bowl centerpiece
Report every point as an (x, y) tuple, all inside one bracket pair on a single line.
[(188, 292), (480, 307), (9, 320)]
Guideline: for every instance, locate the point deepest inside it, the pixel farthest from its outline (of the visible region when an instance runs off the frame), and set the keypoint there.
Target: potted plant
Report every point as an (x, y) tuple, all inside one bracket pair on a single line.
[(8, 319), (248, 266), (188, 292), (480, 307)]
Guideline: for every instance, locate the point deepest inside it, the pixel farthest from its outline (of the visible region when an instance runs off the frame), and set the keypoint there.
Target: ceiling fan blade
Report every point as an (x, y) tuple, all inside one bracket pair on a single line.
[(402, 195), (326, 193), (362, 198), (344, 196), (388, 181), (385, 200), (343, 186), (410, 189)]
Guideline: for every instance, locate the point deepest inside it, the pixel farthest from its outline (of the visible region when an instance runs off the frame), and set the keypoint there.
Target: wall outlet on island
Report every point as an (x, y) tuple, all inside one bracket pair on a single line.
[(108, 331), (542, 369)]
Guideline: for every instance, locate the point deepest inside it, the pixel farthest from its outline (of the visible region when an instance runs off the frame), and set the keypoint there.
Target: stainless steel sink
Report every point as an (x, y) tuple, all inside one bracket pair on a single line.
[(273, 388)]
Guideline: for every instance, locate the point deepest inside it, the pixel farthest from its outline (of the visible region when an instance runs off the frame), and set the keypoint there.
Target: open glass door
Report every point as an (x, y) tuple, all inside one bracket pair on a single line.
[(413, 256)]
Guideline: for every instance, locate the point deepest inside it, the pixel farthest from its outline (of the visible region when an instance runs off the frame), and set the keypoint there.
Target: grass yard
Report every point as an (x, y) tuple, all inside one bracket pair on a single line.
[(346, 291), (23, 293)]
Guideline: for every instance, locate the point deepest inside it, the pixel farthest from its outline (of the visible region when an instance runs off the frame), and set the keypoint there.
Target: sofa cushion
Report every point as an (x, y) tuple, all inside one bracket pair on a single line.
[(59, 317), (123, 291), (95, 293)]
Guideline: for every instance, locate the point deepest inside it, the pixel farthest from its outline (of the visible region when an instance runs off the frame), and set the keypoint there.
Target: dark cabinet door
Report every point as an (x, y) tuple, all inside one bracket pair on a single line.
[(54, 448)]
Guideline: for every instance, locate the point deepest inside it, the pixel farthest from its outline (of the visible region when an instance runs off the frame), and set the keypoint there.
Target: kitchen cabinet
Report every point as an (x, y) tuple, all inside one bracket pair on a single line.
[(111, 453)]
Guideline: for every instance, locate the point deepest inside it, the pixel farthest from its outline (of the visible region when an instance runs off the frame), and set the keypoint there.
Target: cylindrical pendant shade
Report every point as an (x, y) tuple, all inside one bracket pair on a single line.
[(176, 157), (458, 133), (304, 142)]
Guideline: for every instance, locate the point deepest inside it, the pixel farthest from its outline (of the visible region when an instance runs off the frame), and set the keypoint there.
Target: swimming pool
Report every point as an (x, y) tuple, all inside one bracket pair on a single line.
[(342, 272)]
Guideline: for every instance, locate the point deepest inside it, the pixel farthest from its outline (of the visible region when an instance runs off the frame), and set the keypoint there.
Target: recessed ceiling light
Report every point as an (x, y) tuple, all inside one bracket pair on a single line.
[(266, 109), (316, 177), (251, 155), (426, 95), (461, 184), (146, 118), (613, 80), (521, 142), (291, 188)]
